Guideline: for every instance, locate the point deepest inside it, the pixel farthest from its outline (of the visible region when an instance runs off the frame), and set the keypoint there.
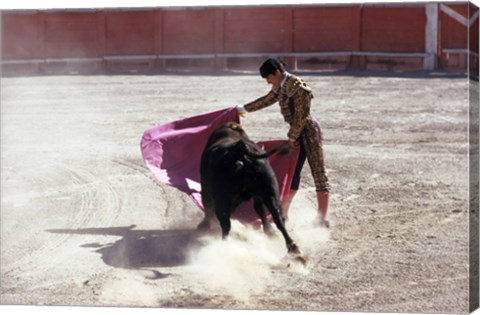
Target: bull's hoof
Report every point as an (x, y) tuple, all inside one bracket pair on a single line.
[(301, 259), (297, 259), (296, 254), (293, 249)]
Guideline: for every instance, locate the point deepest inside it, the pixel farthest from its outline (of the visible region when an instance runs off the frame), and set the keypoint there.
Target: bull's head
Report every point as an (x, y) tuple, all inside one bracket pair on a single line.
[(239, 152), (240, 157)]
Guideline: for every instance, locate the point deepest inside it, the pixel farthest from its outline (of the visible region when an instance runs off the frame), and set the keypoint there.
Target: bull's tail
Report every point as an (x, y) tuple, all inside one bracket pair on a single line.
[(282, 149)]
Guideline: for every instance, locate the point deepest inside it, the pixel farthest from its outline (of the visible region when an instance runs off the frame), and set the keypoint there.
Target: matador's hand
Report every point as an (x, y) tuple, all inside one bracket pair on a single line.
[(242, 112)]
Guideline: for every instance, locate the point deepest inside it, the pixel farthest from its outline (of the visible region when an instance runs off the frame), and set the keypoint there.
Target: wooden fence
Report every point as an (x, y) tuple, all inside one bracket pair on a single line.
[(370, 36)]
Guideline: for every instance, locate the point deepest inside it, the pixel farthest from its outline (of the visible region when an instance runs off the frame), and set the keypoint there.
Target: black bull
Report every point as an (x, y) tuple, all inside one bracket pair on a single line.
[(234, 169)]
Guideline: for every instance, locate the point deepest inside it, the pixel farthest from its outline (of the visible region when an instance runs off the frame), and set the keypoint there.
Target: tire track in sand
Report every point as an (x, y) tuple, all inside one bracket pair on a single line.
[(85, 199)]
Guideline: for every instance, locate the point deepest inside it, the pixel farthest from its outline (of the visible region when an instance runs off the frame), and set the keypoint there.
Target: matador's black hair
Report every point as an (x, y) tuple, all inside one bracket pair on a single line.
[(270, 66)]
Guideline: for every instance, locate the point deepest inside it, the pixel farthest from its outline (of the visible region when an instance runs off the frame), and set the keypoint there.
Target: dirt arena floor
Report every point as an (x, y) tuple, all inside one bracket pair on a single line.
[(84, 222)]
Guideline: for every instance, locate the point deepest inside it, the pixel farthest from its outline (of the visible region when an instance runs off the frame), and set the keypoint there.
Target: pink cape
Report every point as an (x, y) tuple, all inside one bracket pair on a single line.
[(172, 152)]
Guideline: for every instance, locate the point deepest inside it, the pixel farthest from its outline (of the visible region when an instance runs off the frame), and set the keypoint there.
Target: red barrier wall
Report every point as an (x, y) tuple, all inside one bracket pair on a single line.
[(393, 29), (453, 34), (69, 35), (327, 29), (129, 33), (188, 31), (22, 36), (457, 34), (96, 34), (254, 29)]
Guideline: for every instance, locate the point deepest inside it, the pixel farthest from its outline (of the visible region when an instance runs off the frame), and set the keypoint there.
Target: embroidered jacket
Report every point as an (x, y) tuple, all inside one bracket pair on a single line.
[(293, 96)]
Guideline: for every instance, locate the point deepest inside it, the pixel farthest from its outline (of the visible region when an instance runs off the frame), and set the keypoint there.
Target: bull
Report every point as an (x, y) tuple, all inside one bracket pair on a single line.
[(234, 169)]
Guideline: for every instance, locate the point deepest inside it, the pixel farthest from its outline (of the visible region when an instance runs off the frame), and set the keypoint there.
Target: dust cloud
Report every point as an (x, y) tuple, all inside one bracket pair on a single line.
[(244, 264)]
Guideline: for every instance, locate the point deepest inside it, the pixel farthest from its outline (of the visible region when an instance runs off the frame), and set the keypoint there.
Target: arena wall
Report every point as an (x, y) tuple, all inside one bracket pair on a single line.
[(369, 36)]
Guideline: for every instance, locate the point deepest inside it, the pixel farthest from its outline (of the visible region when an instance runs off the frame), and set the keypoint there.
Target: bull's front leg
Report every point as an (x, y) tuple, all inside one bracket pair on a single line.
[(260, 210), (223, 210), (209, 212), (225, 224)]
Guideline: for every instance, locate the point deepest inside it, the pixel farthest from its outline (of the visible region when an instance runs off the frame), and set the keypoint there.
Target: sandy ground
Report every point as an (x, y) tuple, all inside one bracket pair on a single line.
[(83, 222)]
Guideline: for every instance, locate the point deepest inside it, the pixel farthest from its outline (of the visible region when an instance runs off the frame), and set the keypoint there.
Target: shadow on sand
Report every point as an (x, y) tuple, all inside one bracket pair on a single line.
[(142, 248)]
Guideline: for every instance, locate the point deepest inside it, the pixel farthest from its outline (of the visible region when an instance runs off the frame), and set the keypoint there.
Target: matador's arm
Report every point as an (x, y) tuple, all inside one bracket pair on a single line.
[(262, 102)]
